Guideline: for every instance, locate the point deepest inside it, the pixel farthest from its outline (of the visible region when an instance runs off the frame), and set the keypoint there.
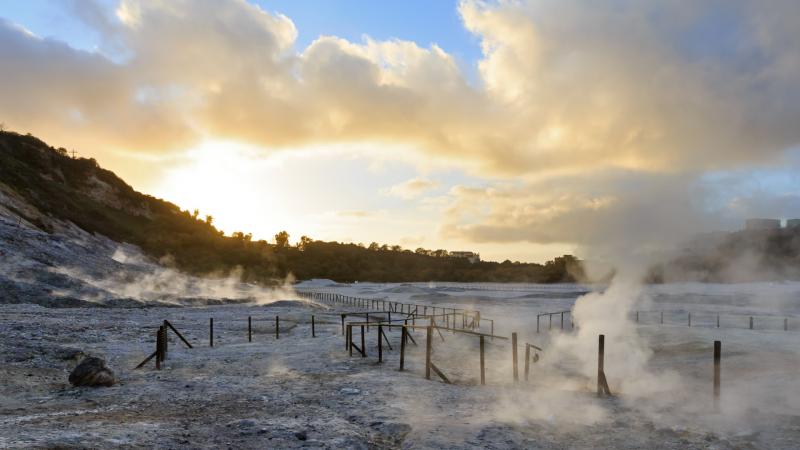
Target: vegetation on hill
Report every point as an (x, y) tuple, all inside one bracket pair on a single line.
[(95, 199)]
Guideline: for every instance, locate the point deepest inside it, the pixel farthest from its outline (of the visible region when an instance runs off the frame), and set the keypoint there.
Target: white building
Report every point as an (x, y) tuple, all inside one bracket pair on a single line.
[(471, 256)]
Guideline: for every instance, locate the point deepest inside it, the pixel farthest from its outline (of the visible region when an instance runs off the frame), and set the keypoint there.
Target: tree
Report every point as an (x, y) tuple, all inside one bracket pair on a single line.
[(209, 219), (282, 239), (396, 248), (303, 244), (241, 236), (195, 213), (374, 246)]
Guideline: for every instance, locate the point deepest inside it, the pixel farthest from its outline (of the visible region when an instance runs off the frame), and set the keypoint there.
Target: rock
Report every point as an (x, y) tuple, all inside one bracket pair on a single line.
[(301, 435), (92, 371)]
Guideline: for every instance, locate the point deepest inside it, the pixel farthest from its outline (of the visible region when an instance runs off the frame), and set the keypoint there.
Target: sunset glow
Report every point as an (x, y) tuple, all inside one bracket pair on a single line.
[(519, 130)]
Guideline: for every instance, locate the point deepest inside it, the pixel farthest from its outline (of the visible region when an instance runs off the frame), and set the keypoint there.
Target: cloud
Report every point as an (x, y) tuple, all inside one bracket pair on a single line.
[(412, 188), (601, 113), (564, 86)]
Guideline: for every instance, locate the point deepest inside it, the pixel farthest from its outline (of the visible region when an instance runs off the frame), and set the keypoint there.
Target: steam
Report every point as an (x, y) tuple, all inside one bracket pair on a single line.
[(142, 280)]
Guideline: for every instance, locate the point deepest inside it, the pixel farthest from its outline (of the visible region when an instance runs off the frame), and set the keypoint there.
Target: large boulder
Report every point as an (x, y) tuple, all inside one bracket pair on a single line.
[(92, 371)]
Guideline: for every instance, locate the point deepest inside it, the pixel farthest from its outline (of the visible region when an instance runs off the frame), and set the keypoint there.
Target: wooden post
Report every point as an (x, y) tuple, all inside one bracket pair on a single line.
[(428, 349), (402, 347), (637, 316), (690, 319), (717, 358), (600, 371), (249, 329), (350, 338), (367, 319), (527, 361), (537, 323), (551, 321), (483, 365), (211, 332), (751, 322), (562, 320), (363, 347), (165, 341), (492, 333), (380, 343), (342, 323), (277, 327), (514, 355), (313, 327), (158, 349), (717, 320), (169, 326)]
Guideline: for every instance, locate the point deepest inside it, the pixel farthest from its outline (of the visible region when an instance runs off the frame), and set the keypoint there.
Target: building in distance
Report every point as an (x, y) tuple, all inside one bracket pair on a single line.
[(470, 256)]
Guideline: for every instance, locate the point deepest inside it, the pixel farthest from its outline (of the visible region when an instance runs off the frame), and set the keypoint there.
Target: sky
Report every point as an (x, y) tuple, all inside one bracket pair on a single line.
[(520, 129)]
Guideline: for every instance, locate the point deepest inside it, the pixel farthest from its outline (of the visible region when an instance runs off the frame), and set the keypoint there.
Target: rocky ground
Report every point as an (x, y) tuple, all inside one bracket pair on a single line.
[(299, 391)]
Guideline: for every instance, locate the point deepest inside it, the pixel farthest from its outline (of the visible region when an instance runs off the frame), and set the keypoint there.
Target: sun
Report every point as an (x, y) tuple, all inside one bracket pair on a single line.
[(231, 182)]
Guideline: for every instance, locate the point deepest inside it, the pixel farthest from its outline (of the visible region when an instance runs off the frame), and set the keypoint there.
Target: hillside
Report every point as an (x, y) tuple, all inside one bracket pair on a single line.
[(740, 256), (48, 190)]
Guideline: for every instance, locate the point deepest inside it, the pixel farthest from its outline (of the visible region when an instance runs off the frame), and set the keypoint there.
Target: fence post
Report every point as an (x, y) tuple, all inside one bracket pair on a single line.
[(158, 349), (717, 358), (277, 328), (514, 355), (751, 322), (428, 349), (600, 369), (550, 327), (717, 320), (380, 343), (249, 329), (527, 360), (313, 327), (350, 338), (637, 316), (537, 323), (342, 323), (363, 347), (483, 364), (402, 347), (210, 331), (690, 319), (165, 341), (662, 317), (562, 320), (492, 330)]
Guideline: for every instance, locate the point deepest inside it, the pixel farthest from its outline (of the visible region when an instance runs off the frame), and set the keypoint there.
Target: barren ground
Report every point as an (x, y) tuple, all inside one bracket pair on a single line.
[(300, 391)]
